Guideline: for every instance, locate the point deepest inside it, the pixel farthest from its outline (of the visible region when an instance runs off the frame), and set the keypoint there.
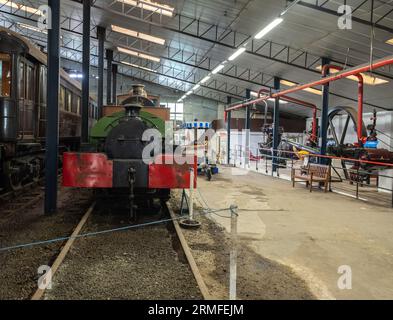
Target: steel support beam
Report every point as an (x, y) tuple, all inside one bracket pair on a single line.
[(229, 117), (114, 82), (109, 58), (205, 63), (86, 70), (276, 126), (324, 114), (354, 18), (100, 90), (52, 111)]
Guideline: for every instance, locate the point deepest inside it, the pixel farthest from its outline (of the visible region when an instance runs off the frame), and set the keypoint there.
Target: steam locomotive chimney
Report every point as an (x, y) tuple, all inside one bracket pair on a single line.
[(132, 110), (134, 103)]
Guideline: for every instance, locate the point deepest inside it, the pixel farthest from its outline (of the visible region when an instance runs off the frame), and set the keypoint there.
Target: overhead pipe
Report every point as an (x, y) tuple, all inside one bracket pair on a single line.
[(304, 104), (325, 70), (349, 72)]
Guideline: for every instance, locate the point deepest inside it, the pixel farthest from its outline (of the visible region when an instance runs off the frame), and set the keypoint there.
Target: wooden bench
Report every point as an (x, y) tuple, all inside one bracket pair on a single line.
[(312, 173)]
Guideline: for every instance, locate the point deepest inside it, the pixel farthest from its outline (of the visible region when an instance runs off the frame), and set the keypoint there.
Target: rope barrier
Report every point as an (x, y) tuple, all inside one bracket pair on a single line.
[(90, 234)]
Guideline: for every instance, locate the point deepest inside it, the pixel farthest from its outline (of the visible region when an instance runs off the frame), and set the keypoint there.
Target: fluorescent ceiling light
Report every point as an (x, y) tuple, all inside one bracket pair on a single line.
[(237, 53), (196, 87), (137, 34), (205, 79), (150, 6), (76, 75), (292, 84), (138, 67), (21, 7), (188, 93), (367, 78), (138, 54), (218, 69), (268, 28), (29, 27)]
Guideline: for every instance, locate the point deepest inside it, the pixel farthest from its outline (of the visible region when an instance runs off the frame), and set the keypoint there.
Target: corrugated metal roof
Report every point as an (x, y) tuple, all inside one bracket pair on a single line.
[(303, 29)]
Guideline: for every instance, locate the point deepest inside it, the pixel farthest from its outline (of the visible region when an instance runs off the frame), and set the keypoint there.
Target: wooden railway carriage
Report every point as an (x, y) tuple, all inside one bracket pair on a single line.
[(23, 78)]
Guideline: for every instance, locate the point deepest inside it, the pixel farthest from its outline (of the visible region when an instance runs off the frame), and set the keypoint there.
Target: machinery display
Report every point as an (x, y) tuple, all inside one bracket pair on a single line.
[(342, 144), (366, 148), (114, 161), (23, 94)]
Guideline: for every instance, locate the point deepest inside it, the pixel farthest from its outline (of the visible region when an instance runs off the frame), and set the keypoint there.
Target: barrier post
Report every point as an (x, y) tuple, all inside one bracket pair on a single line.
[(266, 164), (357, 183), (392, 197), (190, 222), (191, 199), (233, 254), (257, 160)]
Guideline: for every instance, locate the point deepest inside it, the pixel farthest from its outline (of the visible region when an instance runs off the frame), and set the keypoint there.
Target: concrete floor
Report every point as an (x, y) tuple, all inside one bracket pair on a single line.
[(313, 233)]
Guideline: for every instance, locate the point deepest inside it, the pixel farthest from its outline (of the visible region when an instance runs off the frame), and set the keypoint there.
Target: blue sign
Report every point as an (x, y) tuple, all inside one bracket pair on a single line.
[(198, 125)]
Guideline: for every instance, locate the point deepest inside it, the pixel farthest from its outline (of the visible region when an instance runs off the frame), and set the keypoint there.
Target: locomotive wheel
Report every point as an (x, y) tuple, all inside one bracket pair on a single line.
[(13, 180), (36, 172), (208, 174)]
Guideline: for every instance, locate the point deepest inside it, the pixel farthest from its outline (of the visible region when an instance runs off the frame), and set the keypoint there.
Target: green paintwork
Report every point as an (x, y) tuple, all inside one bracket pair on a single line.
[(105, 124)]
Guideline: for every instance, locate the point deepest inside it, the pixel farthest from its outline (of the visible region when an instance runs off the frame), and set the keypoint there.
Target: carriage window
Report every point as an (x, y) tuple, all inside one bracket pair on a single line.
[(78, 105), (43, 76), (74, 103), (62, 97), (68, 100), (21, 80), (30, 83), (5, 75)]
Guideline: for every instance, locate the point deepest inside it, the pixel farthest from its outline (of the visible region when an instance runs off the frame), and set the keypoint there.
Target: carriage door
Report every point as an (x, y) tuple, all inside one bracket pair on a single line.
[(27, 84)]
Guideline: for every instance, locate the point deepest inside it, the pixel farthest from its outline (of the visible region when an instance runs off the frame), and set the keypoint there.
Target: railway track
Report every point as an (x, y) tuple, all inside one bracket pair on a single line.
[(14, 201), (152, 260)]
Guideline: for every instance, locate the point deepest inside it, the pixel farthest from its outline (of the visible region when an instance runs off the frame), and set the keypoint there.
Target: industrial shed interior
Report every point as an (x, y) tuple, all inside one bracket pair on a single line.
[(227, 150)]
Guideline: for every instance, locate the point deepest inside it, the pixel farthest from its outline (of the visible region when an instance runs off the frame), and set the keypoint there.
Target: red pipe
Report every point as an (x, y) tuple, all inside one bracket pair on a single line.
[(304, 104), (325, 70), (349, 72)]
